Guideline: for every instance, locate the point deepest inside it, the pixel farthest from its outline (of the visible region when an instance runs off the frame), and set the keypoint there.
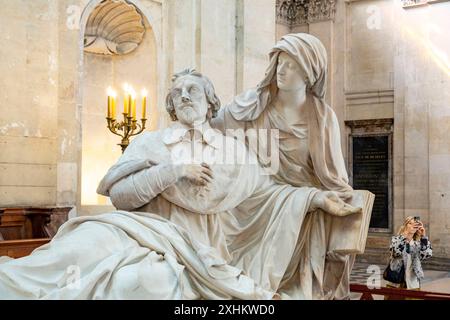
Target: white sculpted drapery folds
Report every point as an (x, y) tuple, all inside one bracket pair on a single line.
[(190, 225), (183, 246), (290, 98)]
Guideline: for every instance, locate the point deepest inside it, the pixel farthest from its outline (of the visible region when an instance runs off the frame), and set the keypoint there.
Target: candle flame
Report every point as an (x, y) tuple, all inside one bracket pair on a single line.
[(132, 92), (144, 92), (126, 87), (111, 92)]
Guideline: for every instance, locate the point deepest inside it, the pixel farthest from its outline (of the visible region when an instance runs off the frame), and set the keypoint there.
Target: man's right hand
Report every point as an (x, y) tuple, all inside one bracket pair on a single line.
[(198, 174)]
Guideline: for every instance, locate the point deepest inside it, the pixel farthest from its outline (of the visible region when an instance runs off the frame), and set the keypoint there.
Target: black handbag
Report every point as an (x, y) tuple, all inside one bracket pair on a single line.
[(394, 276)]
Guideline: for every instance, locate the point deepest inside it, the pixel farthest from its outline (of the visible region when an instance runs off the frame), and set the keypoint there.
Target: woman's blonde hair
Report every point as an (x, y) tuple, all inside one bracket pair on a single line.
[(402, 229)]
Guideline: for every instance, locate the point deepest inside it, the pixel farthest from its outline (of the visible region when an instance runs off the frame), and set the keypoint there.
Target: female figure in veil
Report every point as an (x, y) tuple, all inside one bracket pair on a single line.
[(290, 99)]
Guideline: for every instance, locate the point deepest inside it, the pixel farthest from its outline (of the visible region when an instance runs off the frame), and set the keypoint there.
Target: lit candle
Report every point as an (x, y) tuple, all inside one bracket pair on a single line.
[(109, 107), (133, 103), (113, 105), (144, 103), (109, 92), (126, 98)]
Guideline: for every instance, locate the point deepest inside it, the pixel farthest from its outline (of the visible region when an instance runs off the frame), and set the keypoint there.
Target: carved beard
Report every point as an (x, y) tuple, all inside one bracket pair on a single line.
[(187, 115)]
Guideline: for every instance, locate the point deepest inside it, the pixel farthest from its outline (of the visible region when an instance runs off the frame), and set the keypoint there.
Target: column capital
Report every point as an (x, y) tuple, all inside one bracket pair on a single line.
[(299, 12)]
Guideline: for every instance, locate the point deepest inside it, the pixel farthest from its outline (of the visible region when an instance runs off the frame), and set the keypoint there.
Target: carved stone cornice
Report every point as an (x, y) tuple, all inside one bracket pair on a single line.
[(371, 124), (299, 12), (417, 3), (370, 97)]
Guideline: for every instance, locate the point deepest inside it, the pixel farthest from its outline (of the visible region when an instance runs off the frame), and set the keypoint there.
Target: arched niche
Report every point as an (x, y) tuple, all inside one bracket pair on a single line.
[(99, 149)]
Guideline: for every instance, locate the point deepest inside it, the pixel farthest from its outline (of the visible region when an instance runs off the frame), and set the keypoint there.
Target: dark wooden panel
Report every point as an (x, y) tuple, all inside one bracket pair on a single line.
[(31, 222), (20, 248), (24, 229)]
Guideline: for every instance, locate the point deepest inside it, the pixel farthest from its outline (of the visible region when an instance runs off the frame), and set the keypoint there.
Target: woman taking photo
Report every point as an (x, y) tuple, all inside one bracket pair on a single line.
[(408, 248)]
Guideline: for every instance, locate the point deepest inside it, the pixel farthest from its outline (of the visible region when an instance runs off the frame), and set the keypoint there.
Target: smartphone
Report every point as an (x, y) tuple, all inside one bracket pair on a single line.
[(417, 219)]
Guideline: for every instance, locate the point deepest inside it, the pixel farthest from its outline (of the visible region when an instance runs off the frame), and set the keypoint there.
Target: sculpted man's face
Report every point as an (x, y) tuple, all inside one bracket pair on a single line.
[(189, 99), (289, 74)]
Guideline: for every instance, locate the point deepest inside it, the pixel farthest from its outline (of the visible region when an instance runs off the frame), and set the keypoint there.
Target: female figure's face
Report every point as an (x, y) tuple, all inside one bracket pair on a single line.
[(289, 74)]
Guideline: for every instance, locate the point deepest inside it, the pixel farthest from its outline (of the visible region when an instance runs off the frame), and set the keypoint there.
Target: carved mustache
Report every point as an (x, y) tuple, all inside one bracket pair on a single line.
[(185, 105)]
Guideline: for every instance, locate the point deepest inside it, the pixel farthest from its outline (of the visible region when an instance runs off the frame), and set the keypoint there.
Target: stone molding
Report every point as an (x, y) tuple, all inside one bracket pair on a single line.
[(355, 98), (417, 3), (370, 126)]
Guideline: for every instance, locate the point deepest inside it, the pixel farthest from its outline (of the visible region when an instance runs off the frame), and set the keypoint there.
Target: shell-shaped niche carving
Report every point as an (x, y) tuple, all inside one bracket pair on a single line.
[(114, 27)]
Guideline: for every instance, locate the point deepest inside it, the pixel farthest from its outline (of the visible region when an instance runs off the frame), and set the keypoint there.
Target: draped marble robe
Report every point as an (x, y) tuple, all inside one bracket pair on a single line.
[(180, 241), (310, 154)]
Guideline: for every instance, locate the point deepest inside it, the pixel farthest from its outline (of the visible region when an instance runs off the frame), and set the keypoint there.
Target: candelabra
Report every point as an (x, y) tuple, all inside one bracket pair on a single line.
[(128, 128)]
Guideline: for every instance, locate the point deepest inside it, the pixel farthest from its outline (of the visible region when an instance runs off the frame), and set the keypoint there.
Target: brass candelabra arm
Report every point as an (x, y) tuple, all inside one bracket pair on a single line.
[(114, 126), (138, 126)]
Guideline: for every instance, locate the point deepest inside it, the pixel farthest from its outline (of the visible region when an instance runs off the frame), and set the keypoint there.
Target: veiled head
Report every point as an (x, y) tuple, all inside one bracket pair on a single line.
[(309, 54)]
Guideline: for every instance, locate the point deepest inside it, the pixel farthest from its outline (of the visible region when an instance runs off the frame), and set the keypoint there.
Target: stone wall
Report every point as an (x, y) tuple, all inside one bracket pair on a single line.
[(29, 95), (422, 69), (228, 41), (42, 105)]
